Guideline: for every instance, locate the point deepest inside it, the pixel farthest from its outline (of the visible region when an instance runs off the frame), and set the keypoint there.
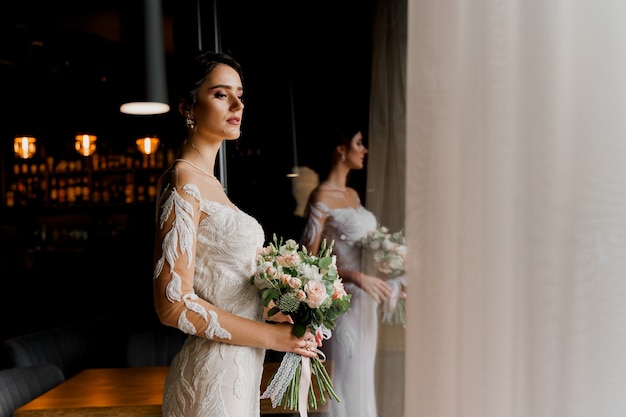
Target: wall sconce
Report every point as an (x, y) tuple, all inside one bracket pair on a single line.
[(148, 145), (24, 146), (85, 144)]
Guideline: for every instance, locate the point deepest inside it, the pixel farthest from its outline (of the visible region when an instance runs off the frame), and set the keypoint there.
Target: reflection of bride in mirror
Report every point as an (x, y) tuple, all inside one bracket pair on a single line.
[(335, 213)]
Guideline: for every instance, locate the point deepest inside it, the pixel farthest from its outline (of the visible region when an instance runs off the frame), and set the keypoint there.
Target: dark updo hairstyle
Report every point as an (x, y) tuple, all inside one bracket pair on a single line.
[(192, 73), (340, 134)]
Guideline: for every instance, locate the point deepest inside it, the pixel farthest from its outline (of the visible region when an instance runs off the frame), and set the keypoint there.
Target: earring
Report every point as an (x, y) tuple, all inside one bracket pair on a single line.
[(343, 158), (191, 122)]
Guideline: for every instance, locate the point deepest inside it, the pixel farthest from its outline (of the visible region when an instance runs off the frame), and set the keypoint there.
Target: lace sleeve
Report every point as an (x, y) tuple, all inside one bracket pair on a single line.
[(175, 299), (316, 217)]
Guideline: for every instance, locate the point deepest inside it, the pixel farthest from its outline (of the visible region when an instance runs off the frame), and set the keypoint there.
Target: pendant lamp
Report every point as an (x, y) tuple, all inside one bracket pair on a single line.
[(24, 146), (153, 98), (148, 145), (85, 144)]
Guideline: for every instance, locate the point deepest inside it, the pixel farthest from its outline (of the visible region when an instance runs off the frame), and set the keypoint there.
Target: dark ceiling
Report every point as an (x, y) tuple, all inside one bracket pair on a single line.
[(65, 65)]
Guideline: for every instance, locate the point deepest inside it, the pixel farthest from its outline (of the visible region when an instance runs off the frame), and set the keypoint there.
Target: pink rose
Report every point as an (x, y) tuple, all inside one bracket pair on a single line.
[(300, 295), (340, 291), (316, 293), (289, 260), (271, 271), (292, 282), (264, 251)]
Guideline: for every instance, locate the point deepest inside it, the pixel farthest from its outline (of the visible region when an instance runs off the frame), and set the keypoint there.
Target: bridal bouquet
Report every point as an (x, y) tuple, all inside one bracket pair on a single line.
[(308, 289), (385, 254)]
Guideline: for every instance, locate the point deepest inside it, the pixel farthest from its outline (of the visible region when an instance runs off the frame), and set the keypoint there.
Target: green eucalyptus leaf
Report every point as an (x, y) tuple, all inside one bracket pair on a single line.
[(273, 311), (299, 329)]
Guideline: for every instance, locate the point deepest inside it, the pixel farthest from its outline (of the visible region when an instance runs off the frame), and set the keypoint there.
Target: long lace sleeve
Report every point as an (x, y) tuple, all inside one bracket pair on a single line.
[(175, 298), (314, 226)]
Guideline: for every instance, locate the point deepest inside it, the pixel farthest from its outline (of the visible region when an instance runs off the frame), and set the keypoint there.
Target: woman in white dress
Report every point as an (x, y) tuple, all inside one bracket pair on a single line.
[(205, 252), (335, 213)]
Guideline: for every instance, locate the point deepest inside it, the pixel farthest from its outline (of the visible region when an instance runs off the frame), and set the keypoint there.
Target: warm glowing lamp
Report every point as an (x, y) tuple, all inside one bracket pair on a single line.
[(24, 146), (85, 144), (294, 173), (148, 145)]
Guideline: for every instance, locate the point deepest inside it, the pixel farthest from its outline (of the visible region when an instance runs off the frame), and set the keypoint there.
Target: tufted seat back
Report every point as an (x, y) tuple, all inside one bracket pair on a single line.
[(21, 384), (70, 348), (154, 347)]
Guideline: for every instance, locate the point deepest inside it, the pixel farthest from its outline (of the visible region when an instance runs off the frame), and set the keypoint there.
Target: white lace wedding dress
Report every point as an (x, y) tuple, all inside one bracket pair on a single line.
[(209, 378), (352, 347)]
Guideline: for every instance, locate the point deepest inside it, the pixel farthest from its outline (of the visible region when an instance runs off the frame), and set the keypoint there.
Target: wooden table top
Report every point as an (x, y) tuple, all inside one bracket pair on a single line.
[(102, 392), (122, 392)]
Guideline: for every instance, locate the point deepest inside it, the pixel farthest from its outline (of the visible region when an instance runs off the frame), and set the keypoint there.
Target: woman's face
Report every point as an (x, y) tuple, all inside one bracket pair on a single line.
[(218, 109), (355, 155)]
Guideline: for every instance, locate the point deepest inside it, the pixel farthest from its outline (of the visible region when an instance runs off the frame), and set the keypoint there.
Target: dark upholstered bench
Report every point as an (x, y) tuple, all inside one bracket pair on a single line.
[(71, 348), (154, 347), (22, 384)]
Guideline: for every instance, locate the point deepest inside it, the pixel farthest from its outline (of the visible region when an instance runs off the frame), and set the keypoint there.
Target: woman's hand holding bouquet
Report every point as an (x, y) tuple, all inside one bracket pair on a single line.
[(305, 290), (385, 254)]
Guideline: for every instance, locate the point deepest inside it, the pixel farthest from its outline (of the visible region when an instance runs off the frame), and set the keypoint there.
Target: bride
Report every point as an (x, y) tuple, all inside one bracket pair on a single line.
[(334, 212)]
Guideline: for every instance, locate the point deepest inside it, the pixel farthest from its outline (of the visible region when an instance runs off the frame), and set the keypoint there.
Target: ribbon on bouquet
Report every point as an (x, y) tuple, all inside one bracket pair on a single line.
[(396, 284), (305, 383), (285, 373), (279, 383)]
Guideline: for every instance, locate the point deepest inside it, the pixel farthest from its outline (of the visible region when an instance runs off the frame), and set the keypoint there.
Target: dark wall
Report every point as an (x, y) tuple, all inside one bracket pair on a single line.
[(306, 66)]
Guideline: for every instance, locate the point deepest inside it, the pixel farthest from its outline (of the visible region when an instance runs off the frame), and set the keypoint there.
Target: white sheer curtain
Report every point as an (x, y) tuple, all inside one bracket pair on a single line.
[(386, 173), (516, 208), (387, 145)]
